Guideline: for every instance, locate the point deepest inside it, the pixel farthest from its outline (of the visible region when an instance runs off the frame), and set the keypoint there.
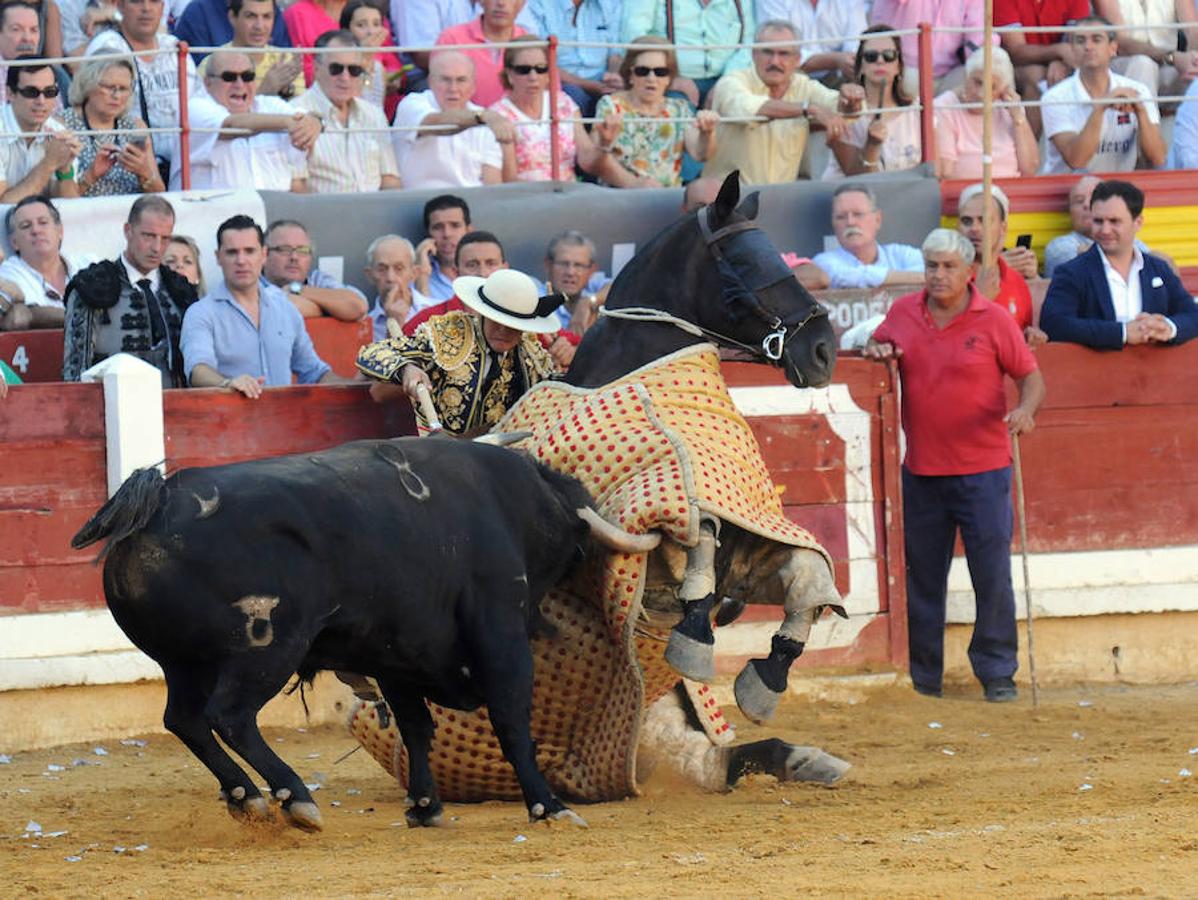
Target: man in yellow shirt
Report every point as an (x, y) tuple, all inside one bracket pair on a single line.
[(279, 73), (770, 152)]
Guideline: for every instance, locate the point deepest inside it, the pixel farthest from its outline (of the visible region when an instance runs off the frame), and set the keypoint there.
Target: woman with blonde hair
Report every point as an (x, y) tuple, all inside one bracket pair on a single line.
[(109, 164), (183, 257), (1015, 150), (650, 150)]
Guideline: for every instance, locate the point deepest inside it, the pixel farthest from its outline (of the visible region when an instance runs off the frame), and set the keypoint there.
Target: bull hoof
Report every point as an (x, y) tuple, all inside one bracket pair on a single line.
[(250, 810), (691, 658), (755, 699), (813, 764), (425, 813), (555, 812), (304, 815)]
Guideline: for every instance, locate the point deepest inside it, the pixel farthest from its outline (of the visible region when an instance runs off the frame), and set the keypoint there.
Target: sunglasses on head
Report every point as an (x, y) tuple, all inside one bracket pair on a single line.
[(355, 71), (540, 69), (246, 76), (29, 92), (645, 71), (872, 56)]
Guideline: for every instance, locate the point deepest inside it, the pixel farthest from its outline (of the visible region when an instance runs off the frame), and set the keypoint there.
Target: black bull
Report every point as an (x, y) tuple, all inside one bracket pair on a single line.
[(420, 563)]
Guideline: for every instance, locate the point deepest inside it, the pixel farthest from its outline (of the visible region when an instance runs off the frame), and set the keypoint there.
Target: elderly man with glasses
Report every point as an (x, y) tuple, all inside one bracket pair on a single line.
[(354, 153), (770, 152), (289, 258), (271, 157), (35, 165)]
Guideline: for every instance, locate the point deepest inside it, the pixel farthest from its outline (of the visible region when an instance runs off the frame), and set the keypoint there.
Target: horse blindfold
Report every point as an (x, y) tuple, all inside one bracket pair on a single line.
[(748, 264)]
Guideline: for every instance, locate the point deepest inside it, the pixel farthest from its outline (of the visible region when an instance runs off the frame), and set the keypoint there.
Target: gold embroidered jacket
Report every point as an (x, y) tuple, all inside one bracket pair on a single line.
[(452, 351)]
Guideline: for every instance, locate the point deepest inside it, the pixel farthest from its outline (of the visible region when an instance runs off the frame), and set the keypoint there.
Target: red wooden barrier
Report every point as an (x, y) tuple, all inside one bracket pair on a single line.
[(37, 355)]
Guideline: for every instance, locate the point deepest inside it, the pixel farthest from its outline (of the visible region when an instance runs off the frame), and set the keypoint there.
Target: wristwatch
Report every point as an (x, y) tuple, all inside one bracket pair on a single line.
[(295, 287)]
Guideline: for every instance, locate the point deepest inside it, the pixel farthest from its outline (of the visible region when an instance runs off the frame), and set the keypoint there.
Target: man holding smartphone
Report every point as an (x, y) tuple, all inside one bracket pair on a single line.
[(1001, 283)]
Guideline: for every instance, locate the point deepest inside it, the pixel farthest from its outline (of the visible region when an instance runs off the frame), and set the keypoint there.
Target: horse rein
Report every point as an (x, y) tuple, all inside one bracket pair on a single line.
[(780, 333)]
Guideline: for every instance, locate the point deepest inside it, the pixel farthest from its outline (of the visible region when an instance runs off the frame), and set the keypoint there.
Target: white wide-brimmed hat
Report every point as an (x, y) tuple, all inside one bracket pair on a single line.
[(510, 298)]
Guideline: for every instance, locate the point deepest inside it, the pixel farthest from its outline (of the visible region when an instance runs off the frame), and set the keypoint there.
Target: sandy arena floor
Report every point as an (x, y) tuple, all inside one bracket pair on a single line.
[(1089, 795)]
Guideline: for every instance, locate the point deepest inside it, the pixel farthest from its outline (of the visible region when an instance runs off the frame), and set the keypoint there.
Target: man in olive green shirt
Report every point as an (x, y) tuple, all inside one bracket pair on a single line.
[(770, 152)]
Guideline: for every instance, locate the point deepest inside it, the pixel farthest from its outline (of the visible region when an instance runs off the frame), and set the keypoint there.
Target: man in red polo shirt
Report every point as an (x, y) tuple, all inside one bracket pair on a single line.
[(953, 348), (1005, 284), (1041, 56)]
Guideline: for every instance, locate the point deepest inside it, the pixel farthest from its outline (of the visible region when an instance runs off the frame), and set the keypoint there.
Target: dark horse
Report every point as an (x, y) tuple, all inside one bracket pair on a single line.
[(714, 276)]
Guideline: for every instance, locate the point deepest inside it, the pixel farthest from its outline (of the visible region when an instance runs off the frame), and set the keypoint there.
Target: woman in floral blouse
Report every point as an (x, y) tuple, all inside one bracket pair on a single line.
[(525, 75), (652, 151)]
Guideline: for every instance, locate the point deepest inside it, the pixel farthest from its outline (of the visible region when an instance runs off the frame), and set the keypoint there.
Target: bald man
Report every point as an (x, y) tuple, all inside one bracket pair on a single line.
[(476, 146), (1068, 246)]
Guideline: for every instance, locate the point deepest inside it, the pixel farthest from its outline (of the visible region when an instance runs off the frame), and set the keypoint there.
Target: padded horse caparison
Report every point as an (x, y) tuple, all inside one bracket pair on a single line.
[(748, 266)]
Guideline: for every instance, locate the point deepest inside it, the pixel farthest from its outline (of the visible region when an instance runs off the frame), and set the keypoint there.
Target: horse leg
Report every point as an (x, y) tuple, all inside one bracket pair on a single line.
[(416, 728), (807, 586), (184, 717), (245, 683), (786, 762), (691, 648), (670, 735)]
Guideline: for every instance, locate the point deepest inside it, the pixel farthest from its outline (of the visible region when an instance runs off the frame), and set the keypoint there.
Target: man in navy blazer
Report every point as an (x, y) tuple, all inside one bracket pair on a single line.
[(1113, 294)]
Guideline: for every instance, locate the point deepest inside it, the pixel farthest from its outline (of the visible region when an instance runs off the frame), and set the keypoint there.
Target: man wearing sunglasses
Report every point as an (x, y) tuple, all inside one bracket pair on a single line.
[(35, 165), (770, 152), (279, 73), (273, 157), (344, 161)]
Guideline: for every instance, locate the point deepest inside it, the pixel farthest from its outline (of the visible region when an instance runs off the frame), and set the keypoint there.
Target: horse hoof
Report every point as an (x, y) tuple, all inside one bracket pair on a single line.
[(755, 699), (691, 658), (813, 764), (419, 817), (253, 809), (304, 815)]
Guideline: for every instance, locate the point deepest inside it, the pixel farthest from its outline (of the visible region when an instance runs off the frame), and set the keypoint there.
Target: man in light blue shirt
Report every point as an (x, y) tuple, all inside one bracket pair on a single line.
[(860, 261), (245, 334), (587, 72)]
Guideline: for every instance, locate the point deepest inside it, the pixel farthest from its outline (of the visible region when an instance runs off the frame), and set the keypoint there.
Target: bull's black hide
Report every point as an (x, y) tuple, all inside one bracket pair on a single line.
[(418, 562)]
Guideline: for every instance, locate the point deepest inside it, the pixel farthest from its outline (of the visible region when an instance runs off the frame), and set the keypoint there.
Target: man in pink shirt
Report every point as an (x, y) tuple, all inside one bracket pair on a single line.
[(949, 48), (954, 350), (497, 24)]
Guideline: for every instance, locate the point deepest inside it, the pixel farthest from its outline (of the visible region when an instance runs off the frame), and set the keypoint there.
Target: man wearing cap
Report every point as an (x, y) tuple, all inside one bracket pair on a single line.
[(474, 366)]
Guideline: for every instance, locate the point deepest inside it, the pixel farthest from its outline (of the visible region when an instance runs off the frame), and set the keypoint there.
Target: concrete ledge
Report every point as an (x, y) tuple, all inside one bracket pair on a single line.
[(66, 715)]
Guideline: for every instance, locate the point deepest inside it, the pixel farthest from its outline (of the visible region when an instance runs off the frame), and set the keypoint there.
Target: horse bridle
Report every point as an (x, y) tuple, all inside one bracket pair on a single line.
[(736, 290)]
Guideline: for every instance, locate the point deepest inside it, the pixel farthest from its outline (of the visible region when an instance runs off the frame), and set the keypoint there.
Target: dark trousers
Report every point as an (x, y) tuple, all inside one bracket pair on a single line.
[(934, 507)]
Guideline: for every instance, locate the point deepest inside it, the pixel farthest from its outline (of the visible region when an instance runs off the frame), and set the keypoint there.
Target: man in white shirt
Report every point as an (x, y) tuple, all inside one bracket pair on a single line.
[(1102, 138), (834, 24), (156, 87), (391, 269), (473, 144), (859, 261), (37, 265), (35, 165), (340, 161), (272, 158)]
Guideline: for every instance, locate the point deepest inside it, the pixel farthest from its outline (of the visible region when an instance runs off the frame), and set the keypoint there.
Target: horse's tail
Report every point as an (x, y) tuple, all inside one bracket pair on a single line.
[(126, 512)]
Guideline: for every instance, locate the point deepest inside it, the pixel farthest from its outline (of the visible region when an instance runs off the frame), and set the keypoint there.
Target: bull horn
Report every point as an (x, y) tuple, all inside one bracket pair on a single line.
[(616, 538), (502, 438)]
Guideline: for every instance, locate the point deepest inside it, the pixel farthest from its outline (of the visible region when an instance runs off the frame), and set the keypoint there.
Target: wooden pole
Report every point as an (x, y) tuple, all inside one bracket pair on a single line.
[(988, 222)]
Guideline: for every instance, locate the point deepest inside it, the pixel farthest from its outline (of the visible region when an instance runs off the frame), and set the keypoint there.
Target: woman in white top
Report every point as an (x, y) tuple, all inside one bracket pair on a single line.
[(886, 137)]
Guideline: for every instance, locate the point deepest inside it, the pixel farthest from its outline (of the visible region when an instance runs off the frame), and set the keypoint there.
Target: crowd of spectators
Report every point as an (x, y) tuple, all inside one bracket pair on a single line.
[(630, 116)]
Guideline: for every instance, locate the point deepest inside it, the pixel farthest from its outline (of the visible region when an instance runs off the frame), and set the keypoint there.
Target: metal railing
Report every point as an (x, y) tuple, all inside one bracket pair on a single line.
[(551, 45)]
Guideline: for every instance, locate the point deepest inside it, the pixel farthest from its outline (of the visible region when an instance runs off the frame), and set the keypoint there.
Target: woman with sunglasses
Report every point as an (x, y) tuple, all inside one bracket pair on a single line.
[(525, 77), (886, 136), (384, 80), (109, 164), (648, 149), (1014, 147)]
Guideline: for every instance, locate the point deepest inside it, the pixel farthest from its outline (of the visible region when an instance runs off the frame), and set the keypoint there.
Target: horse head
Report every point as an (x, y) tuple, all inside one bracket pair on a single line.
[(712, 276)]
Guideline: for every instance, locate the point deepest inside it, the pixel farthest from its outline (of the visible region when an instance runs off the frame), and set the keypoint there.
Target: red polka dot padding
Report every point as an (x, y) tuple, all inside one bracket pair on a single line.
[(655, 449)]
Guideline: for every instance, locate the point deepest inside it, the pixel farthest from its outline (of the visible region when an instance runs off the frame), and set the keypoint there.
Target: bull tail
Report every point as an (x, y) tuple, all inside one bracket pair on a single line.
[(126, 512)]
